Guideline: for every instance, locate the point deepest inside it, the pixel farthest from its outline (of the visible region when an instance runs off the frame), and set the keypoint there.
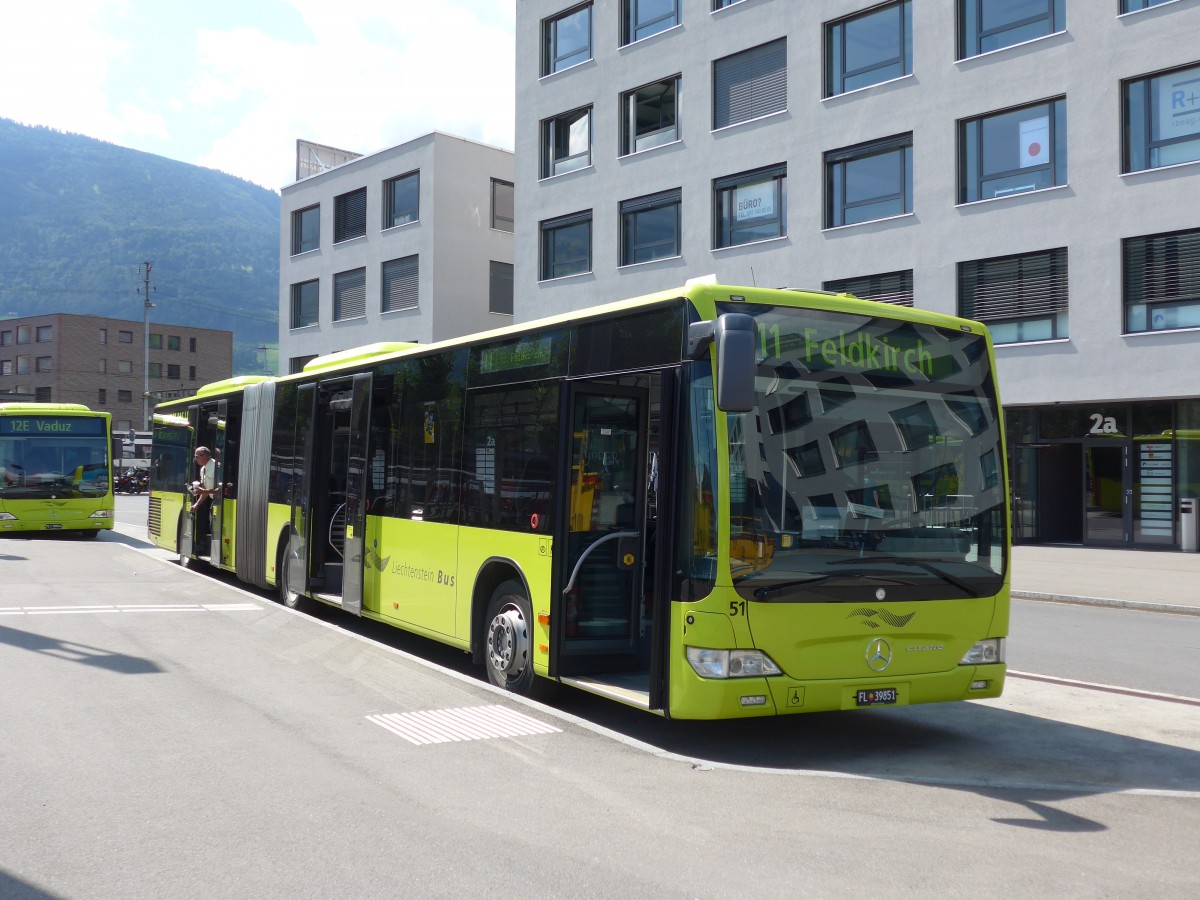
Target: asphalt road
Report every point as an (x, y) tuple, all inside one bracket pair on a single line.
[(165, 733)]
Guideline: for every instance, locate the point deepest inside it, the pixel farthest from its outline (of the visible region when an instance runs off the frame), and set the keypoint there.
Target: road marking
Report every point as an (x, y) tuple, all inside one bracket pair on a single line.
[(128, 608), (469, 723), (1105, 688)]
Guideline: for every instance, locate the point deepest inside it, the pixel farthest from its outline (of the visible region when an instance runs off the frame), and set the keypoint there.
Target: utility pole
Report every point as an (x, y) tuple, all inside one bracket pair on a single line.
[(146, 350)]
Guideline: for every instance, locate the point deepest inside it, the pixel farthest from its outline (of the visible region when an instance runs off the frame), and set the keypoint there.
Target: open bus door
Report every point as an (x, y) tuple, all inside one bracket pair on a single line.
[(605, 637), (187, 522), (217, 502), (325, 551)]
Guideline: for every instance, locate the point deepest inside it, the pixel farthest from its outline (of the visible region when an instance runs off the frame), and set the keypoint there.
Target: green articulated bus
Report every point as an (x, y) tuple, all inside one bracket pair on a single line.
[(55, 468), (711, 502)]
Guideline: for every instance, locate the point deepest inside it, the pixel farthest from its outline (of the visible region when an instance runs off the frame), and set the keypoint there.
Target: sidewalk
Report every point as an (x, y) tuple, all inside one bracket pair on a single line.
[(1132, 579)]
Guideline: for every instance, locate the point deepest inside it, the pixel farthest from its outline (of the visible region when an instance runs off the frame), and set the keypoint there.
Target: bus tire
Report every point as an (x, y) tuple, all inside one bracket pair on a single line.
[(508, 642), (289, 598)]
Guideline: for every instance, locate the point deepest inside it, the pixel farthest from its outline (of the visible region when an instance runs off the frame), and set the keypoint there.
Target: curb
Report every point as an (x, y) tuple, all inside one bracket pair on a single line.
[(1141, 605)]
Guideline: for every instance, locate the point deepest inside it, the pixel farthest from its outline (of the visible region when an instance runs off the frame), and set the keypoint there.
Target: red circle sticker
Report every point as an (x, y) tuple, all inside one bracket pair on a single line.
[(533, 521)]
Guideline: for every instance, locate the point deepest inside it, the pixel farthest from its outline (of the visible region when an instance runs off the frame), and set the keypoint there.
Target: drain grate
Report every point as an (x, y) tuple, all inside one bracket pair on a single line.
[(470, 723)]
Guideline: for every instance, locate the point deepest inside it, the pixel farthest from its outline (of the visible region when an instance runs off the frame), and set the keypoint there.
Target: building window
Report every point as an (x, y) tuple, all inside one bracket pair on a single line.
[(125, 337), (6, 338), (895, 288), (567, 142), (350, 215), (986, 25), (650, 227), (103, 366), (502, 205), (402, 200), (124, 396), (750, 84), (868, 48), (751, 206), (306, 230), (1020, 298), (305, 297), (350, 294), (1128, 6), (120, 425), (22, 365), (155, 341), (173, 371), (869, 181), (500, 288), (43, 364), (44, 333), (721, 4), (399, 279), (24, 334), (1012, 152), (174, 342), (1162, 120), (567, 39), (6, 367), (297, 363), (643, 18), (650, 116), (124, 367), (42, 395), (104, 335), (101, 397), (567, 245), (156, 370), (1161, 281), (191, 373), (191, 345)]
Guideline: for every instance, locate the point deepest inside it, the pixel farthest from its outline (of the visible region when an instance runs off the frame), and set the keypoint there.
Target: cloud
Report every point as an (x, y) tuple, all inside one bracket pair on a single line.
[(370, 77)]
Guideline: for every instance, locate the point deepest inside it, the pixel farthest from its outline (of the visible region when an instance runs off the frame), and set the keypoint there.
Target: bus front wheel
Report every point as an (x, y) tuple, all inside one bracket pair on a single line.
[(508, 641), (289, 598)]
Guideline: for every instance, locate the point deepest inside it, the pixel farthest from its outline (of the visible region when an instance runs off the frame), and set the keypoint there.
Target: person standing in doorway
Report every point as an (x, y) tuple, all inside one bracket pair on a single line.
[(202, 492)]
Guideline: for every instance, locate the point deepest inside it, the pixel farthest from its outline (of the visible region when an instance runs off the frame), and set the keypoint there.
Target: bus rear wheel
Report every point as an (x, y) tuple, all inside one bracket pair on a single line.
[(508, 642)]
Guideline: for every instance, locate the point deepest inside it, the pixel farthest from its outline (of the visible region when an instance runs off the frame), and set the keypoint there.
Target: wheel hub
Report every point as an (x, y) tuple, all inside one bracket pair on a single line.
[(508, 642)]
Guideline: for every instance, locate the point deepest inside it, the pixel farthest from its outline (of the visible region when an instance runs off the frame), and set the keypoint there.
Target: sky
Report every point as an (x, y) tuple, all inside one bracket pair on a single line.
[(232, 84)]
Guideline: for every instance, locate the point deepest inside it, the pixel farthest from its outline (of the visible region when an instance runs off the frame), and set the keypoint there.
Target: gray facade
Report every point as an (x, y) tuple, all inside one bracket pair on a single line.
[(1083, 375), (427, 259)]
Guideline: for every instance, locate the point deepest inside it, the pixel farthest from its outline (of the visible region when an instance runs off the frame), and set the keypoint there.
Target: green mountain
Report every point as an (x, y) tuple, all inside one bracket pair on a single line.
[(78, 217)]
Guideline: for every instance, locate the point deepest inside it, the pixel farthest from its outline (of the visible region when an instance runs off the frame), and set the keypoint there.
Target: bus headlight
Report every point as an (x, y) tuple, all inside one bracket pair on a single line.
[(731, 663), (7, 517), (985, 652), (101, 514)]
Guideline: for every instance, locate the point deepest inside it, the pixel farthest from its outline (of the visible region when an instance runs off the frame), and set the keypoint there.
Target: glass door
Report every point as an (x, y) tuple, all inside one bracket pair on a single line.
[(1107, 494)]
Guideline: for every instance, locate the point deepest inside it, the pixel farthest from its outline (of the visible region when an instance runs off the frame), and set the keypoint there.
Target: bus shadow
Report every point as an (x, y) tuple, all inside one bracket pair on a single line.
[(73, 651), (970, 746)]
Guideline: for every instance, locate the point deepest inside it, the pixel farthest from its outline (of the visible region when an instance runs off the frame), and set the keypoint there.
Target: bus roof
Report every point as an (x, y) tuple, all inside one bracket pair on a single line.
[(48, 409), (704, 296)]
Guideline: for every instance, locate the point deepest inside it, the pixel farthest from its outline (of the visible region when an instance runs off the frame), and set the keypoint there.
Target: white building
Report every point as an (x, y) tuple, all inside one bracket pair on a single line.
[(413, 243), (1031, 163)]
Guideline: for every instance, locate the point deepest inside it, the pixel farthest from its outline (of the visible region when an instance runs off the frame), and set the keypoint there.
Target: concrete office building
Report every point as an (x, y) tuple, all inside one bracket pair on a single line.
[(100, 362), (413, 243), (1031, 163)]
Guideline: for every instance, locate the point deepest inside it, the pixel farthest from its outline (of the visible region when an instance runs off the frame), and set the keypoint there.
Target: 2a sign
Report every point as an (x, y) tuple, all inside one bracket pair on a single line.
[(1103, 424)]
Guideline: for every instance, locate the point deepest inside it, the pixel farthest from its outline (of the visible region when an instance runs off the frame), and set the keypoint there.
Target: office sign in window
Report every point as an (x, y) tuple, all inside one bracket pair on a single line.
[(754, 201)]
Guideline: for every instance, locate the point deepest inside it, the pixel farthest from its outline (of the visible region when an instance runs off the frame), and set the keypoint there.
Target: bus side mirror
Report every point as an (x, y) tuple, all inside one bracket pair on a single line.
[(736, 367)]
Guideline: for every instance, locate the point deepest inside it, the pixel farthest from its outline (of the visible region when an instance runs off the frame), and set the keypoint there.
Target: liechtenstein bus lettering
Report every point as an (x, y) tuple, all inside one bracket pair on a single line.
[(55, 468), (711, 502)]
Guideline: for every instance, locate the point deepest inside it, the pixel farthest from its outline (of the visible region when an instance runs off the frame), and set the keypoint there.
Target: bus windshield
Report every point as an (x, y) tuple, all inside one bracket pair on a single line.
[(53, 457), (871, 466)]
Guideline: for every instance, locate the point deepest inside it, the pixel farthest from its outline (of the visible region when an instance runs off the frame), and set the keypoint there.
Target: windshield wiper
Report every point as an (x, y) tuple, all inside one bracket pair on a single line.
[(920, 564), (781, 586)]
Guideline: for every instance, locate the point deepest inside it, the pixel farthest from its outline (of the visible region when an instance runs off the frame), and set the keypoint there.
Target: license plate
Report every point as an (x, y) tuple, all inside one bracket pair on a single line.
[(876, 697), (53, 527)]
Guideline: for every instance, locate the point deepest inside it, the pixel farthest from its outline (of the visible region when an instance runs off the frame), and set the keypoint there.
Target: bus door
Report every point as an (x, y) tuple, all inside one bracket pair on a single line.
[(218, 499), (329, 509), (603, 517), (187, 520)]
